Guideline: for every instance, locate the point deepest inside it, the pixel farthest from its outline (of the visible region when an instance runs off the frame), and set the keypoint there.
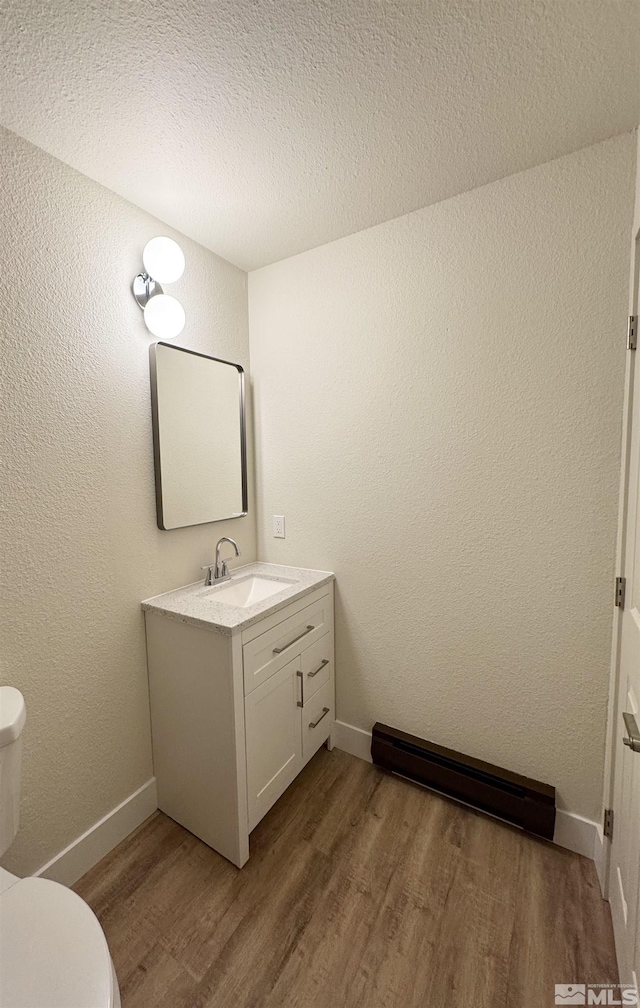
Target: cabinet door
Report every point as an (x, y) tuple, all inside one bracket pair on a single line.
[(273, 739)]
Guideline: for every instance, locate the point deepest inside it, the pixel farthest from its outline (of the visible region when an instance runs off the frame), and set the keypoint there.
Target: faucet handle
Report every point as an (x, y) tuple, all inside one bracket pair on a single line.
[(209, 568)]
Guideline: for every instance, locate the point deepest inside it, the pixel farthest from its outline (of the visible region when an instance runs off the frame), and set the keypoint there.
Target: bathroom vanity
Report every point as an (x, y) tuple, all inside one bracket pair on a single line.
[(241, 679)]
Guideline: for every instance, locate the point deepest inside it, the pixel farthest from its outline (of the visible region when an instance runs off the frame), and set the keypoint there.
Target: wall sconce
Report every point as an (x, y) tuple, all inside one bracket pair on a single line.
[(163, 261)]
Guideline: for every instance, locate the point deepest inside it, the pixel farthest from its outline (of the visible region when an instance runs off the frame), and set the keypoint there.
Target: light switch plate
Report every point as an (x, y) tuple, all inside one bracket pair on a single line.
[(278, 527)]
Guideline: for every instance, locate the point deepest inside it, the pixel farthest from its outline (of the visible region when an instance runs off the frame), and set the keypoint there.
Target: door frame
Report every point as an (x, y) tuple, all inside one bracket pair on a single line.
[(613, 733)]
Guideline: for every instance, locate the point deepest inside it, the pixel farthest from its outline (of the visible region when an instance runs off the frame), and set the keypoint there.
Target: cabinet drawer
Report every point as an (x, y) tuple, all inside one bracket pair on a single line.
[(269, 652), (317, 720), (317, 665)]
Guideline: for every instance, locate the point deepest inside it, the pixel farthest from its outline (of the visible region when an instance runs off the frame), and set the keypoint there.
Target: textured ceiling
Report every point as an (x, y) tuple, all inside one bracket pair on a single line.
[(264, 127)]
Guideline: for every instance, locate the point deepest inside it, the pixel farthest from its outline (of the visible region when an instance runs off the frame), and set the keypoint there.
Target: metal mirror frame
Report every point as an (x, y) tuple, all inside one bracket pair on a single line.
[(156, 435)]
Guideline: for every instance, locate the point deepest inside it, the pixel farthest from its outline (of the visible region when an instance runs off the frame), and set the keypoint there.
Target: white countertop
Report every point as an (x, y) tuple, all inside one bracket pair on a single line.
[(191, 604)]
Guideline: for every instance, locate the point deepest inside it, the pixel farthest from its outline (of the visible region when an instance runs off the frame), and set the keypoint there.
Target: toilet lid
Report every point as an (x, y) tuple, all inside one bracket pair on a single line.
[(53, 953)]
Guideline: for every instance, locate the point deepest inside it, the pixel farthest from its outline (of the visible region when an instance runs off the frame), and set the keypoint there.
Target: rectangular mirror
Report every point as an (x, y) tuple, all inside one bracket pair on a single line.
[(199, 439)]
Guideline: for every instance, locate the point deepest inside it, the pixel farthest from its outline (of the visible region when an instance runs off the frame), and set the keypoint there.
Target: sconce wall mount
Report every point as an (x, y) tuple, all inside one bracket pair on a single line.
[(144, 288)]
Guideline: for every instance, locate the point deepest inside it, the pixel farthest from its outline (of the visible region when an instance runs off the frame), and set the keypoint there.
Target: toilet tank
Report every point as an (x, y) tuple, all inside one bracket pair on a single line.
[(12, 717)]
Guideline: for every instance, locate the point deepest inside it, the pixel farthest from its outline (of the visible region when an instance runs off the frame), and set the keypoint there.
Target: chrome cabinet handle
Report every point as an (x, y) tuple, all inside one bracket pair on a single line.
[(319, 669), (633, 740), (279, 650), (325, 711)]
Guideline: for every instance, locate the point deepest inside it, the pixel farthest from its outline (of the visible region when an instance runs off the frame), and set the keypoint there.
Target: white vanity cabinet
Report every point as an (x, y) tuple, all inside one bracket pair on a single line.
[(235, 715)]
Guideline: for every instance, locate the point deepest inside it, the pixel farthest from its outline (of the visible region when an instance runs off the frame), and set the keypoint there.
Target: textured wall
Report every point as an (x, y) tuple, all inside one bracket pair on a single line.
[(287, 125), (438, 402), (80, 547)]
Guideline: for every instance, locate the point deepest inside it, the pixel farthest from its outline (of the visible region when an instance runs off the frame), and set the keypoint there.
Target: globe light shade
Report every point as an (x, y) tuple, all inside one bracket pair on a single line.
[(163, 260), (164, 317)]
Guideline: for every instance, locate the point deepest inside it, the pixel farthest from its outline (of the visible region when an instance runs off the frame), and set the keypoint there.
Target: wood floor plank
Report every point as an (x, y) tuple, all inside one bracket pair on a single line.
[(158, 981), (120, 873), (470, 965), (398, 961), (555, 938), (361, 890), (331, 948)]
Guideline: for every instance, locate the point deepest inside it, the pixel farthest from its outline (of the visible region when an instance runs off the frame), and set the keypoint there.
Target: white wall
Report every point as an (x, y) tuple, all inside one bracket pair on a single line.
[(79, 544), (438, 405)]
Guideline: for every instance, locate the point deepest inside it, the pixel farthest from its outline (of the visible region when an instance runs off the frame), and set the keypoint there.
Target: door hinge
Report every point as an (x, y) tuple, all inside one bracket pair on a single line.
[(608, 823), (621, 584), (632, 333)]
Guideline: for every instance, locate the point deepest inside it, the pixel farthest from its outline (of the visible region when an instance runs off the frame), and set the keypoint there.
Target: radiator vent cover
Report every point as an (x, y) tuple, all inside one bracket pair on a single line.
[(522, 801)]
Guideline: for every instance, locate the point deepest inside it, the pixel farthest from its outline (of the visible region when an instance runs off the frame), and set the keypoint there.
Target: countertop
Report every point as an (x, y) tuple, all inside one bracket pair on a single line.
[(189, 605)]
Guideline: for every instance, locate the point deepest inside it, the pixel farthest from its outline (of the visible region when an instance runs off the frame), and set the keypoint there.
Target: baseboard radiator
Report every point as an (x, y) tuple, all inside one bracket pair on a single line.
[(526, 803)]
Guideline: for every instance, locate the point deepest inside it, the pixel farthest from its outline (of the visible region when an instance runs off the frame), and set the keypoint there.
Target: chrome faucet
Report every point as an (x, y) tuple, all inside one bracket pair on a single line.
[(219, 571)]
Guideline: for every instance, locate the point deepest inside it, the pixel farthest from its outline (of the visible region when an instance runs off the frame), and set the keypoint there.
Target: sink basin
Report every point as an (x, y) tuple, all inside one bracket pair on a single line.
[(245, 592)]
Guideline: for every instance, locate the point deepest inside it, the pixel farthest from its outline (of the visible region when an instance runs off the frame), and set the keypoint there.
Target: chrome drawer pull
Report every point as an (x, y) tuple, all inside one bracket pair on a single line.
[(319, 669), (300, 703), (325, 711), (278, 650)]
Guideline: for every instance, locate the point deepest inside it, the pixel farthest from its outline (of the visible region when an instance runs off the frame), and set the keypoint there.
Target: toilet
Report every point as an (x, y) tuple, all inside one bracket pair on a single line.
[(53, 952)]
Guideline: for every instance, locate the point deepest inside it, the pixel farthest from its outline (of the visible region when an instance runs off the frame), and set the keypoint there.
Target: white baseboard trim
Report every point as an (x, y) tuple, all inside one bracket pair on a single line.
[(81, 855), (354, 741), (572, 831), (582, 836)]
